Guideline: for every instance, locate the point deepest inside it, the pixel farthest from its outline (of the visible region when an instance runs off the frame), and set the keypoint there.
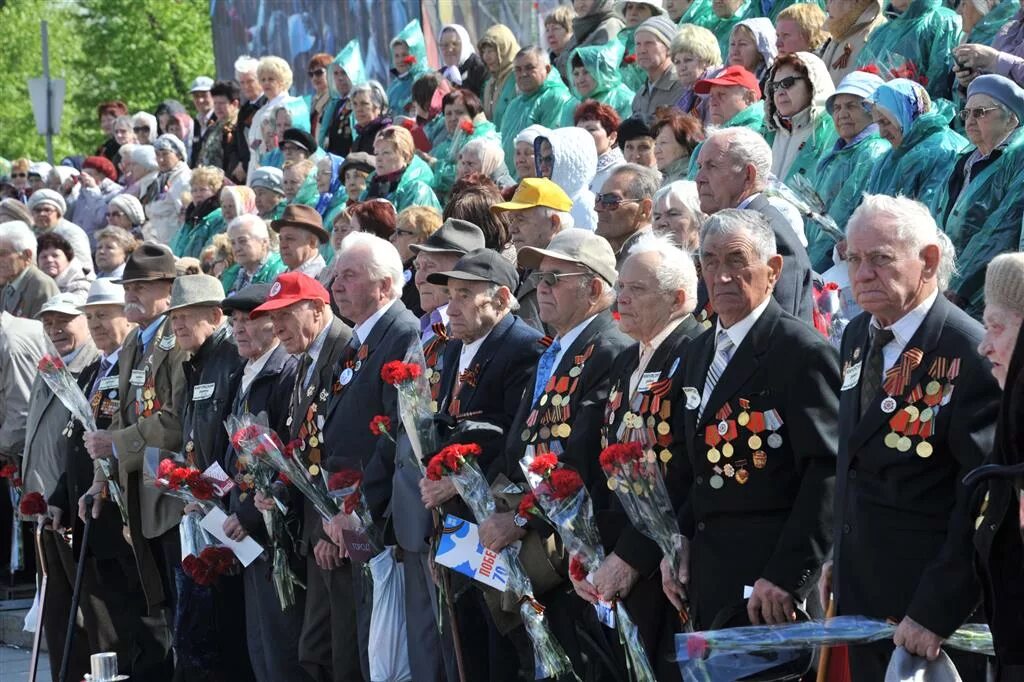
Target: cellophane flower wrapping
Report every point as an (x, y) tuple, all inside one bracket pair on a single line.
[(549, 657), (567, 505), (738, 652), (263, 476), (63, 385), (414, 402), (346, 487)]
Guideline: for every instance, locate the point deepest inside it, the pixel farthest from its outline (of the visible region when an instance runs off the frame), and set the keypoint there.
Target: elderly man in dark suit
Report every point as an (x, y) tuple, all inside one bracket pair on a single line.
[(761, 393), (734, 164), (268, 373), (299, 308), (563, 405), (917, 412), (486, 368), (656, 296), (151, 383), (367, 288)]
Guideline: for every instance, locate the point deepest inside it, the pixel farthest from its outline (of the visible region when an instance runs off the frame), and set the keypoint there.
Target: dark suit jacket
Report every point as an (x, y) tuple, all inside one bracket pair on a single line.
[(348, 440), (29, 295), (775, 520), (211, 380), (529, 309), (617, 534), (795, 289), (903, 523)]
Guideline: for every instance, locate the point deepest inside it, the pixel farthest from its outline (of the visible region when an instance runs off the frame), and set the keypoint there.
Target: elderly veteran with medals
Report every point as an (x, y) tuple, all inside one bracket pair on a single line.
[(656, 294), (151, 381), (759, 421), (563, 406), (299, 308), (917, 412)]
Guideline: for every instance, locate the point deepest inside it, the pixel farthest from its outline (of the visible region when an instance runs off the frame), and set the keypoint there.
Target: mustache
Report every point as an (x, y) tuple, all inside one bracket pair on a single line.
[(134, 308)]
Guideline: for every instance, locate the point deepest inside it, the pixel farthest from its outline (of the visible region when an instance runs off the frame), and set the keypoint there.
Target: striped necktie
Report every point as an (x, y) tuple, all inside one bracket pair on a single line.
[(723, 352)]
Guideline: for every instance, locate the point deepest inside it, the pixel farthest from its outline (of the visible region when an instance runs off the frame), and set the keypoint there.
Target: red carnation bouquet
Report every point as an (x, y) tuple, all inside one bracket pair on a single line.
[(10, 472), (633, 474), (415, 407), (561, 494), (211, 563), (459, 463), (32, 504), (346, 486), (63, 385), (245, 435)]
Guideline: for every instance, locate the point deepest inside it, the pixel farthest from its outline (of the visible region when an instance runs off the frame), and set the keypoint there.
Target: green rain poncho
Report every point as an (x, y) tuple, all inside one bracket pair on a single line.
[(414, 188), (447, 153), (779, 5), (351, 61), (986, 29), (699, 13), (752, 117), (918, 168), (602, 61), (545, 106), (266, 274), (298, 113), (400, 88), (190, 240), (985, 219), (630, 74), (722, 28), (918, 45)]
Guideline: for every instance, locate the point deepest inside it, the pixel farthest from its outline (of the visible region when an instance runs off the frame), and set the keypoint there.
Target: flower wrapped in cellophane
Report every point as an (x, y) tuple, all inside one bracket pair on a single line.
[(346, 487), (566, 504), (735, 653), (263, 478), (459, 463), (63, 385), (635, 478), (414, 402)]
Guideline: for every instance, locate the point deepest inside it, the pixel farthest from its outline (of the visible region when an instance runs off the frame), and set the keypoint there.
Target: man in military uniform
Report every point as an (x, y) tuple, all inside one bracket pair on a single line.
[(656, 296), (563, 405), (299, 307), (150, 381), (759, 422), (917, 412)]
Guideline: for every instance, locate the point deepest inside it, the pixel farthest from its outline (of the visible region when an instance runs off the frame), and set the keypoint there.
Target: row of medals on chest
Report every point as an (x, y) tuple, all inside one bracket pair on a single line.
[(897, 439)]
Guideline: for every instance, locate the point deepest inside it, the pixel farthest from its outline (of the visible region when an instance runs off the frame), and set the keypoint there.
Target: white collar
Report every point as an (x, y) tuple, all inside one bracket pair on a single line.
[(364, 329), (318, 344), (570, 337), (904, 328), (659, 338), (739, 331), (256, 366), (469, 351)]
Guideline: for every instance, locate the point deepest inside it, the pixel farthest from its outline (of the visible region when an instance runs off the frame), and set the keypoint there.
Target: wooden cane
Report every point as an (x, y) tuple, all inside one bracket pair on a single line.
[(37, 637), (830, 611), (446, 586)]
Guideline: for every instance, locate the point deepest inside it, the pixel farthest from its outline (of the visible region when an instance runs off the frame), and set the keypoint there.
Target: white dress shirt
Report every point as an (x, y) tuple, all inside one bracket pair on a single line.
[(903, 330)]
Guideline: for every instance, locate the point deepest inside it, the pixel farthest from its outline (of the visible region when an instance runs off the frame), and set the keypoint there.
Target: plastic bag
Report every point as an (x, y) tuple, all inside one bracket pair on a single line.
[(389, 651)]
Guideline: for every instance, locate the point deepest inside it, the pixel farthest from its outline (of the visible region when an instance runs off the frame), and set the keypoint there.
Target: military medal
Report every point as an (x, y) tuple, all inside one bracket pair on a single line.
[(889, 405), (346, 376), (773, 422), (712, 438)]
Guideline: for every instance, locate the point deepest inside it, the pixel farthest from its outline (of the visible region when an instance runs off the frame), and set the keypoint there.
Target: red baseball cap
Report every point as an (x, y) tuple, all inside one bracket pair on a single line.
[(731, 75), (290, 288)]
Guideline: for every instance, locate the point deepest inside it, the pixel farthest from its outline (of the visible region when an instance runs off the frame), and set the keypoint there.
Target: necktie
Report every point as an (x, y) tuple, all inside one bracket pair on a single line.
[(545, 367), (104, 370), (305, 362), (723, 352), (871, 375)]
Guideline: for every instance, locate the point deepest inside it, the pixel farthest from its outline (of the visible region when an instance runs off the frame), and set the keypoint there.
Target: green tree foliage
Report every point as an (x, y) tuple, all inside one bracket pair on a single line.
[(138, 51)]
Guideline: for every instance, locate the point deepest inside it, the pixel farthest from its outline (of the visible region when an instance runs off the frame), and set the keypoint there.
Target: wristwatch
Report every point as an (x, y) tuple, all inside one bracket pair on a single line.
[(520, 520)]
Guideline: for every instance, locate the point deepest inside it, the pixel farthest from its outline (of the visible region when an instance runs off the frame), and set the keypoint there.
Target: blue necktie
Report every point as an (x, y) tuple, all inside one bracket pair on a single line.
[(544, 368), (101, 374)]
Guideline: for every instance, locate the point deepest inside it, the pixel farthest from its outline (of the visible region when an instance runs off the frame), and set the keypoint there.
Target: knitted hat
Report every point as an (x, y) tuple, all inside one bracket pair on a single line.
[(130, 206), (101, 164), (168, 142), (661, 27), (1004, 282), (144, 155), (47, 197), (1002, 90)]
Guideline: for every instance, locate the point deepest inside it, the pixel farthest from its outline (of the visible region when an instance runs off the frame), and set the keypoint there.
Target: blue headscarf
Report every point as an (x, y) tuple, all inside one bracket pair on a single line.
[(903, 99), (324, 202)]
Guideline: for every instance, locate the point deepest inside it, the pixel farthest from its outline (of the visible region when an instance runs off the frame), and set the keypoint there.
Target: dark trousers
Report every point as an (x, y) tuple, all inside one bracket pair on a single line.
[(657, 622), (60, 582), (869, 662), (273, 634), (329, 647), (431, 653), (158, 663)]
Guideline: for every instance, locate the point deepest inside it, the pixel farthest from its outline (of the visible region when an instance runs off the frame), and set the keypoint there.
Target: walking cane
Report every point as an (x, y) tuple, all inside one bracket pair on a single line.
[(76, 594), (826, 652), (37, 638)]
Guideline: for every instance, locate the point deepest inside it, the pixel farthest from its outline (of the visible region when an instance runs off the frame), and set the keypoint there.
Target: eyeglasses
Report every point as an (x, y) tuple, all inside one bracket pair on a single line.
[(19, 175), (786, 83), (552, 278), (316, 72), (141, 129), (612, 201), (975, 112)]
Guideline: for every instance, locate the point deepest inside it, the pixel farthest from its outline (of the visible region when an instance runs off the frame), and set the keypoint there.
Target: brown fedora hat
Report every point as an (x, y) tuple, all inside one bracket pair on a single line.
[(149, 262), (303, 217)]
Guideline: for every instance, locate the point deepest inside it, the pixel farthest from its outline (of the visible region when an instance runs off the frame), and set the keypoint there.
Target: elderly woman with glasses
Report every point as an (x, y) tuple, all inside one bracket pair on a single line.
[(981, 208), (317, 101)]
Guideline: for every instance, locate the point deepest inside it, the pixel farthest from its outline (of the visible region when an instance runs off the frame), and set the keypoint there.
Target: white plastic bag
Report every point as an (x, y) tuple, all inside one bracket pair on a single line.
[(388, 650)]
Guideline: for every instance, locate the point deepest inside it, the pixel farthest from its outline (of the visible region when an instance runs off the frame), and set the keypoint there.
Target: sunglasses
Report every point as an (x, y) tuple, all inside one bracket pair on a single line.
[(975, 112), (316, 72), (19, 175), (552, 278), (786, 83), (612, 201)]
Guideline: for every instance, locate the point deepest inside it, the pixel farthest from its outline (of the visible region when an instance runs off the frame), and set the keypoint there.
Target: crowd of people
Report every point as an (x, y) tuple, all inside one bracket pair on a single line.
[(773, 244)]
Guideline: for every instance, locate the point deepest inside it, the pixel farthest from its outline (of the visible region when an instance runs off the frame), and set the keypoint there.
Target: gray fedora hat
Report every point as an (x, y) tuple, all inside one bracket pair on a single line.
[(193, 290), (103, 292)]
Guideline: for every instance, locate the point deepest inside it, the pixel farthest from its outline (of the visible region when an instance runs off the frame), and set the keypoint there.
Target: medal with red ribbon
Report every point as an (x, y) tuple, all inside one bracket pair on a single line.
[(898, 376)]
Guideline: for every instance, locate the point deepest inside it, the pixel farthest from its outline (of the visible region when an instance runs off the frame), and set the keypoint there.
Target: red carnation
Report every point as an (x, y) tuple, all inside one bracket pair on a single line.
[(468, 127), (528, 505), (629, 59), (50, 363), (397, 372), (166, 467), (9, 471), (380, 424), (870, 68), (344, 479), (577, 570), (620, 453), (351, 502), (408, 123), (564, 483), (435, 471), (409, 59), (543, 465), (192, 565), (244, 434), (221, 559), (283, 477), (292, 447), (32, 504)]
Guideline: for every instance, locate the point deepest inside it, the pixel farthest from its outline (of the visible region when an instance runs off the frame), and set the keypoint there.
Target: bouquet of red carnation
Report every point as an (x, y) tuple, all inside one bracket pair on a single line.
[(32, 504), (634, 476), (66, 389), (245, 431), (459, 463), (414, 402), (185, 483), (560, 492), (10, 472), (347, 487), (211, 563)]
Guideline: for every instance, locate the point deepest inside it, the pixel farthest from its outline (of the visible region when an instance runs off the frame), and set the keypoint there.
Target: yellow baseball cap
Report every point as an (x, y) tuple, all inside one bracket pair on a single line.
[(533, 192)]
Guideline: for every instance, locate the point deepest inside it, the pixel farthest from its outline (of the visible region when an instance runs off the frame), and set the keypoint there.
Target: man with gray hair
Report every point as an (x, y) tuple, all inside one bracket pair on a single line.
[(656, 296), (543, 99), (917, 412), (733, 169), (625, 207), (252, 100), (26, 287), (759, 422), (255, 262)]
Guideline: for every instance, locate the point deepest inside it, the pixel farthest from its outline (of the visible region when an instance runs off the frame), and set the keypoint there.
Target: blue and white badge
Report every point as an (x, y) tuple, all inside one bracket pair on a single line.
[(346, 376), (692, 397)]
